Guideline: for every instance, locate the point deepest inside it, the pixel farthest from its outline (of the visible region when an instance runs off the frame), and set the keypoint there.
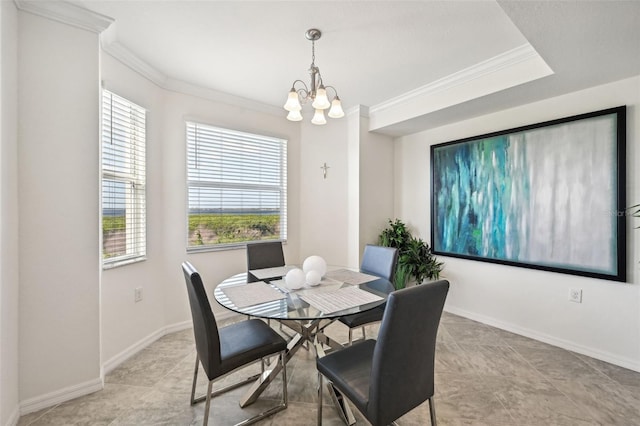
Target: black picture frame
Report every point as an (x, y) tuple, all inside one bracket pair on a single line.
[(547, 196)]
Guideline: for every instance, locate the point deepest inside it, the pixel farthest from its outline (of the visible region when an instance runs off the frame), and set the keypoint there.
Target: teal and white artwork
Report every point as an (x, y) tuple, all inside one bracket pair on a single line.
[(547, 196)]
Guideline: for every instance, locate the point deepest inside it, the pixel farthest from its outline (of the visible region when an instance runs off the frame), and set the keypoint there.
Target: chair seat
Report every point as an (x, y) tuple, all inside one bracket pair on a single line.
[(362, 318), (247, 341), (350, 371), (388, 377)]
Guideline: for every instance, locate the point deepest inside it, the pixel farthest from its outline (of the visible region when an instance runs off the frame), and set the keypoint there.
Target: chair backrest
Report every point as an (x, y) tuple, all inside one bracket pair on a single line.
[(380, 261), (267, 254), (403, 358), (205, 328)]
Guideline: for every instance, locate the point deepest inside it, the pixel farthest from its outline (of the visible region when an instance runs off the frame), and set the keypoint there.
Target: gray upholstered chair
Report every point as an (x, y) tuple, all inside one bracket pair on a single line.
[(387, 378), (379, 261), (223, 350), (263, 254)]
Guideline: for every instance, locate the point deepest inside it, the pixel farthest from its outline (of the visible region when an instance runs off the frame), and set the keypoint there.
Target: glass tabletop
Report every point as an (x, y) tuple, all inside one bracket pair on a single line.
[(270, 298)]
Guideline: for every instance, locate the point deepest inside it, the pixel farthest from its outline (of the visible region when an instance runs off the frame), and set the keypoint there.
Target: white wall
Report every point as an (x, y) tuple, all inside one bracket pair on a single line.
[(9, 409), (125, 324), (58, 186), (376, 183), (535, 303), (323, 202), (350, 207), (370, 183)]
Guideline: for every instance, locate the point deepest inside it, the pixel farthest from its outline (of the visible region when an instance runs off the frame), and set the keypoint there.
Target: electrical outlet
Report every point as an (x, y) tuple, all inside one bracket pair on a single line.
[(575, 295), (137, 294)]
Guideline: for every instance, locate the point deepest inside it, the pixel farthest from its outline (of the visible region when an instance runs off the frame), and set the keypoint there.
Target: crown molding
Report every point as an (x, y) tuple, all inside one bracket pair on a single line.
[(130, 59), (492, 65), (359, 110), (67, 13), (222, 97)]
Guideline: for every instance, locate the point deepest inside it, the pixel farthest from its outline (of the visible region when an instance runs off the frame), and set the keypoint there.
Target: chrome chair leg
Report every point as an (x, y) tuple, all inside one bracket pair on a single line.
[(195, 380), (208, 404), (319, 421), (285, 397), (432, 411), (210, 394)]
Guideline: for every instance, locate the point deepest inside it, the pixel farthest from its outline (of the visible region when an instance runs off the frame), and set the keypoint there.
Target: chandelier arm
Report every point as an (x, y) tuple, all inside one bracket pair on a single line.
[(293, 86), (334, 90), (303, 92)]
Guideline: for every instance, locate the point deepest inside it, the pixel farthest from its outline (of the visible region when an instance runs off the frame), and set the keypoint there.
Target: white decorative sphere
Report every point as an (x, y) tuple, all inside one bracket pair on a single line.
[(295, 278), (315, 263), (313, 277)]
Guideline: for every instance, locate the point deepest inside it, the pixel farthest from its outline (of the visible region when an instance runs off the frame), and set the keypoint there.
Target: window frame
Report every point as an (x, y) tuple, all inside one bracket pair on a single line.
[(282, 188), (133, 177)]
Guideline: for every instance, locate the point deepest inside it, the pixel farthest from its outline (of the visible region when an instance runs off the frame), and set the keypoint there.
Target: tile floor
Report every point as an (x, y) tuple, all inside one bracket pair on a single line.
[(484, 376)]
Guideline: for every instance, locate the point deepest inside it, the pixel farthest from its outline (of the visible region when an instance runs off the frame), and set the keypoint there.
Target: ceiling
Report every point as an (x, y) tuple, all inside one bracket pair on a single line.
[(374, 51)]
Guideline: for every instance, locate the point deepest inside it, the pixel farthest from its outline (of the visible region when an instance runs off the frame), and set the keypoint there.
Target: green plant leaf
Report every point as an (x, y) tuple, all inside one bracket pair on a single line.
[(415, 259)]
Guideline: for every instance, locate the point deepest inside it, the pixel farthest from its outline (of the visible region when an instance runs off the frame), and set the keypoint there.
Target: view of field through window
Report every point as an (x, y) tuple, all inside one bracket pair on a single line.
[(114, 235), (204, 229), (223, 228)]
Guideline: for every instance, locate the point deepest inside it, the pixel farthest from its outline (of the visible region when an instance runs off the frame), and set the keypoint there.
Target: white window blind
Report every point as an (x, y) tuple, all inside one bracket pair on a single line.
[(123, 180), (237, 184)]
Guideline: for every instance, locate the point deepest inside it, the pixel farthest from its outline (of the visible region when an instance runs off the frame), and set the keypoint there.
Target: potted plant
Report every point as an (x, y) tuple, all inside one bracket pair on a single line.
[(415, 259)]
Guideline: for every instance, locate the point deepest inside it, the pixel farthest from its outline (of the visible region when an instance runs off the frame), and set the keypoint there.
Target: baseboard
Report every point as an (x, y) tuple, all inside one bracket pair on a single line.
[(61, 395), (118, 359), (552, 340), (179, 326), (14, 417), (75, 391)]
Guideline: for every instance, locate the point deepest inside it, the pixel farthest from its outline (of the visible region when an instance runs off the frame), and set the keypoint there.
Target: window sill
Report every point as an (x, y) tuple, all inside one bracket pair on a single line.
[(123, 262), (224, 247)]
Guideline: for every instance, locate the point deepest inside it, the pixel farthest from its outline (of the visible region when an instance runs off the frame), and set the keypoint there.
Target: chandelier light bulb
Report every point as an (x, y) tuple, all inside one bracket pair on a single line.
[(321, 101), (318, 118), (336, 108), (294, 116), (293, 102)]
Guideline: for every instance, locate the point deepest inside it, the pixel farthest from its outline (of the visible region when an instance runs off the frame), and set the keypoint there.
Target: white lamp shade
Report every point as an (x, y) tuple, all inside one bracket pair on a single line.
[(293, 102), (321, 101), (315, 263), (295, 278), (294, 116), (318, 118), (313, 278), (336, 109)]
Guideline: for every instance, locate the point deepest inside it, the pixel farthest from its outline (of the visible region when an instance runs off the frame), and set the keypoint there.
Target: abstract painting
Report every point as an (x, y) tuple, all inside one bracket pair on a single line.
[(547, 196)]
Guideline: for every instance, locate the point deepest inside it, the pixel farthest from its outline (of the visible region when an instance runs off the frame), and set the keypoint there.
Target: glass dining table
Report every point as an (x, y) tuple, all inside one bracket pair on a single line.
[(306, 311)]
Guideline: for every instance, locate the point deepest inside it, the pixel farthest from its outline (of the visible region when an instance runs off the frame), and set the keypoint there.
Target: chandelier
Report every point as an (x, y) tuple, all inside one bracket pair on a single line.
[(316, 93)]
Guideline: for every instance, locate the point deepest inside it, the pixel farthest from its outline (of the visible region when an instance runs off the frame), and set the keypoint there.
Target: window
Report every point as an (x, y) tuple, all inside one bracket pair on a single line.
[(237, 187), (123, 181)]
